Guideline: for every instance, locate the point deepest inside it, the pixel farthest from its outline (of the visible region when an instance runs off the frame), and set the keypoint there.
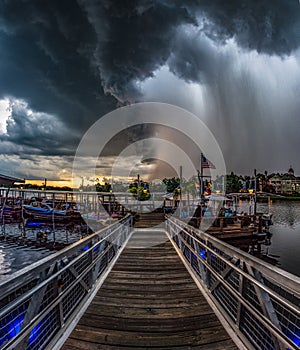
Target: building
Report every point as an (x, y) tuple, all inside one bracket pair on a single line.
[(286, 183)]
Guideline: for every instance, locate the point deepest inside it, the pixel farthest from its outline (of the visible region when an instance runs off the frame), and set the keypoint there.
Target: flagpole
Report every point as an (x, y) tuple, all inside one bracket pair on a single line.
[(201, 176), (180, 193), (201, 184)]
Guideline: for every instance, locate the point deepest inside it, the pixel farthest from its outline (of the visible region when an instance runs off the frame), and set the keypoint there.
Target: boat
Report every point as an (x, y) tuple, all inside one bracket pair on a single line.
[(42, 210), (104, 219), (49, 210), (267, 221)]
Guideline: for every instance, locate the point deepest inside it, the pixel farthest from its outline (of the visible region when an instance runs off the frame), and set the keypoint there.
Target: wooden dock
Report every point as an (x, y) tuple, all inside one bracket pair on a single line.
[(231, 231), (148, 301)]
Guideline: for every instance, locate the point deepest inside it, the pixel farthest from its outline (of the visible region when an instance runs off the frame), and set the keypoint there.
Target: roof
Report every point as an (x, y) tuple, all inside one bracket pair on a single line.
[(9, 180)]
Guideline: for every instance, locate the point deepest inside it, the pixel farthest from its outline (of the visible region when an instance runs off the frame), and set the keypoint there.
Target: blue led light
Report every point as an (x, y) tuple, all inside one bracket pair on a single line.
[(295, 338), (203, 253), (13, 327), (34, 333)]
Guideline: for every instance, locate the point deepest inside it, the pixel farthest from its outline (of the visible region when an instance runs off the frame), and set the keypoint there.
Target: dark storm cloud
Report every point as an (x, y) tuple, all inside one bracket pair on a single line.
[(75, 61), (267, 26), (33, 132), (67, 57), (134, 39), (45, 54)]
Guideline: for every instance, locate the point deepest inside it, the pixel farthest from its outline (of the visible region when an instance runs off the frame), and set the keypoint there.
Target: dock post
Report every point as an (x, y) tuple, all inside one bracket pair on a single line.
[(259, 223)]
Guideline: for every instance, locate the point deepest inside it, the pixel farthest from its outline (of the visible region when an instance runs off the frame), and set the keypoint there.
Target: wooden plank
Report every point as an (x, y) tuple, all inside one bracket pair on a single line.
[(149, 282), (149, 301), (166, 275), (150, 325), (76, 344), (153, 288), (200, 336), (148, 294), (147, 312), (136, 302)]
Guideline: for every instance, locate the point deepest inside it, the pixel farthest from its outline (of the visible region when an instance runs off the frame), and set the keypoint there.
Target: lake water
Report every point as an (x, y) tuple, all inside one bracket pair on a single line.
[(281, 249), (14, 257), (285, 240)]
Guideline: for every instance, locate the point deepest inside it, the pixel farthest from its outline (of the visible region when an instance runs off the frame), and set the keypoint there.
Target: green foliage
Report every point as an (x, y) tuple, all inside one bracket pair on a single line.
[(103, 188), (171, 184), (233, 184), (140, 190), (190, 187)]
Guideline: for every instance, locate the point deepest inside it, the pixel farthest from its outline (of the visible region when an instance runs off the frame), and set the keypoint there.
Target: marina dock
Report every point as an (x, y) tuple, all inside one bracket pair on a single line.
[(149, 300), (172, 287), (145, 280)]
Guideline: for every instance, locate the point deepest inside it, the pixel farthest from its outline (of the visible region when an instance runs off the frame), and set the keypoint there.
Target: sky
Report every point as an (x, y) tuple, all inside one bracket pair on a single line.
[(65, 63)]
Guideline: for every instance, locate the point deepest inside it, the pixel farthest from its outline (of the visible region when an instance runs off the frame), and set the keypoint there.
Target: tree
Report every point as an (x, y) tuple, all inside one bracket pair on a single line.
[(171, 184), (233, 184), (103, 188), (140, 190)]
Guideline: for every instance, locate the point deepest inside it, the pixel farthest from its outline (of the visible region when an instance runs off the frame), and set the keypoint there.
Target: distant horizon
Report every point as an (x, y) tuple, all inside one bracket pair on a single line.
[(69, 183)]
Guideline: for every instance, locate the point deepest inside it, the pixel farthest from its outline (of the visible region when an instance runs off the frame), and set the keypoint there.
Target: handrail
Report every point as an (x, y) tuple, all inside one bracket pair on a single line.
[(39, 303), (259, 301)]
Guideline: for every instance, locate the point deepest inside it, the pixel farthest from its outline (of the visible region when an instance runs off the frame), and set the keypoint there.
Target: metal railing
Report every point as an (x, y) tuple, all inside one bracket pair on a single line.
[(42, 302), (260, 302)]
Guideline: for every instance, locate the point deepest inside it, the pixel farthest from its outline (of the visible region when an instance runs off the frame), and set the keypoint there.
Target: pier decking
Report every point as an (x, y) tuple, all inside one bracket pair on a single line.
[(149, 300), (164, 287)]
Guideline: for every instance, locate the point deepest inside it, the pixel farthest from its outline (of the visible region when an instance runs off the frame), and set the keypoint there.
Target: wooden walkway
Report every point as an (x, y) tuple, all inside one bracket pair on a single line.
[(149, 301)]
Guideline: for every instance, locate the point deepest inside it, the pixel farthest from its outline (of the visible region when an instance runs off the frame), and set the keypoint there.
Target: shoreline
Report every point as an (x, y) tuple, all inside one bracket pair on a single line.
[(275, 198)]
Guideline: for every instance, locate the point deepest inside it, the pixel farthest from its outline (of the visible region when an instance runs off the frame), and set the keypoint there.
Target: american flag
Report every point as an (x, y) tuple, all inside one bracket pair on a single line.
[(205, 163)]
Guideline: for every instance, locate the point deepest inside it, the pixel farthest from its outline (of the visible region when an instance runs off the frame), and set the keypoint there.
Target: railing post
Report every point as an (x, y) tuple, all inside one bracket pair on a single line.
[(90, 260), (221, 224), (33, 309), (260, 303), (266, 305), (241, 291)]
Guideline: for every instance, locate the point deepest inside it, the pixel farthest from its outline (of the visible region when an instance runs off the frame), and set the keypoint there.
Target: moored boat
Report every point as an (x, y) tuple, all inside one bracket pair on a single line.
[(42, 210), (46, 210)]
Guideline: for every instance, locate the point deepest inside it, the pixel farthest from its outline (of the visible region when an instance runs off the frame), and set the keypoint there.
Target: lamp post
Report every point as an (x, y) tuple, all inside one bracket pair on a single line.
[(138, 187)]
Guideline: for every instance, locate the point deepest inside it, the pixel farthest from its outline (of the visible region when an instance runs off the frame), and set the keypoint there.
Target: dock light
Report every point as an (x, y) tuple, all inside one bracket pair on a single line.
[(145, 189), (250, 190), (203, 254)]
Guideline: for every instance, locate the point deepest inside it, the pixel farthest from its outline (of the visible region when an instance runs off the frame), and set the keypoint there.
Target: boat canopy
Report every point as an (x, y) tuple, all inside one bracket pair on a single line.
[(9, 180), (215, 197)]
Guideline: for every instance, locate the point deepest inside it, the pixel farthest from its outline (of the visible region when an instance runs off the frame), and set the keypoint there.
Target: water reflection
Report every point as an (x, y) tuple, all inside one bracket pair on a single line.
[(5, 262), (286, 213), (14, 257), (282, 247)]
